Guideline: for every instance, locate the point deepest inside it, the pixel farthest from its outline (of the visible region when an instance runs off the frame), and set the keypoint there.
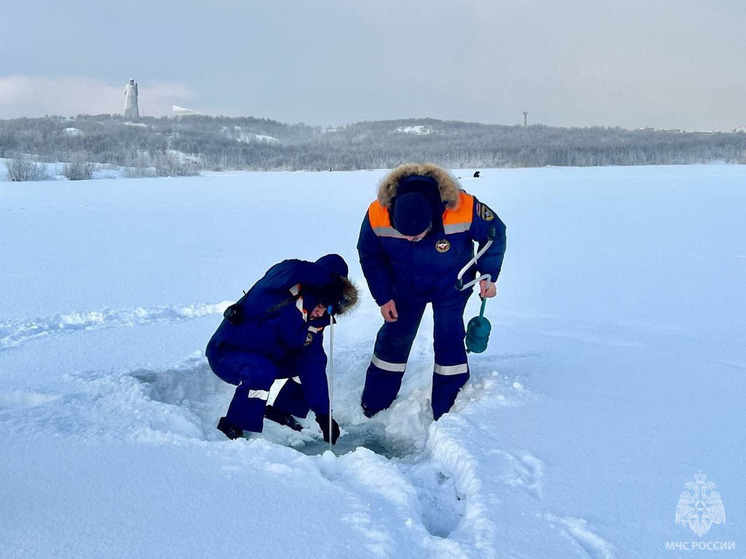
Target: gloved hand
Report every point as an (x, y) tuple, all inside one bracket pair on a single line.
[(323, 421)]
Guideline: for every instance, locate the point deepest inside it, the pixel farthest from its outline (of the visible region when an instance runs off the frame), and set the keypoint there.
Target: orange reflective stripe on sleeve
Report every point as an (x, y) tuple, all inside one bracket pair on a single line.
[(380, 221), (459, 220), (378, 215), (454, 221)]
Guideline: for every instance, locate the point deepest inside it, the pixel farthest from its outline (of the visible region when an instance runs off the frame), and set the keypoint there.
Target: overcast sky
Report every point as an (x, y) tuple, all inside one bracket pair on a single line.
[(634, 63)]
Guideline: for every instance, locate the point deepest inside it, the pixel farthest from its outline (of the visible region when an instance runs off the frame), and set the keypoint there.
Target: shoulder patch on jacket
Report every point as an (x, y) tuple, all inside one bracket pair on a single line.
[(484, 212)]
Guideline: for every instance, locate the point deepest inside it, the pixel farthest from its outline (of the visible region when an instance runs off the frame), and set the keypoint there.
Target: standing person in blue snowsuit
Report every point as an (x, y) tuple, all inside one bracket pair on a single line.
[(414, 240), (275, 331)]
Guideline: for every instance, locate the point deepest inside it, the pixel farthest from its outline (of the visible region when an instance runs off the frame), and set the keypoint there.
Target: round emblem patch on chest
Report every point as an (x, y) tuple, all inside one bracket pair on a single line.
[(443, 245)]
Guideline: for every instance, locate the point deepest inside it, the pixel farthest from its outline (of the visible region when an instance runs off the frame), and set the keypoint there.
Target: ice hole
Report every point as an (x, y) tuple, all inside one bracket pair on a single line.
[(366, 435)]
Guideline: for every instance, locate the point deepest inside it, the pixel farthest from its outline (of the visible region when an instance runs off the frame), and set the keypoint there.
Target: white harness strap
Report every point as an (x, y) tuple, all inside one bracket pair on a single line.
[(295, 292)]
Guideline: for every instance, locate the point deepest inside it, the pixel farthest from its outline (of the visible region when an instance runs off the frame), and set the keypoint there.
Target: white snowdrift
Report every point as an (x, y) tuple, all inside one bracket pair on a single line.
[(615, 372)]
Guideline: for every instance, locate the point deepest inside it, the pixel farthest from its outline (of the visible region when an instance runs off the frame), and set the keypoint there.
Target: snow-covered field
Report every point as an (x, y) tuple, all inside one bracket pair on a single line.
[(616, 371)]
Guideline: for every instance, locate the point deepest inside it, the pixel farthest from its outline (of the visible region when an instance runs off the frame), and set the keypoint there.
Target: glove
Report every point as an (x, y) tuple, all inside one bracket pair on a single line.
[(234, 314), (323, 421)]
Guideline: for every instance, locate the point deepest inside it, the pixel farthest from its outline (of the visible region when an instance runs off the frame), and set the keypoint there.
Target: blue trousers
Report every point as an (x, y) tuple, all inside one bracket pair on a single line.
[(254, 374), (394, 342)]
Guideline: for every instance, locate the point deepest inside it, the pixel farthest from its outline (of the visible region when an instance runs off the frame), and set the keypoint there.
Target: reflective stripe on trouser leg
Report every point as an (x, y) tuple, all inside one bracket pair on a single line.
[(246, 410), (291, 399), (451, 367), (393, 343)]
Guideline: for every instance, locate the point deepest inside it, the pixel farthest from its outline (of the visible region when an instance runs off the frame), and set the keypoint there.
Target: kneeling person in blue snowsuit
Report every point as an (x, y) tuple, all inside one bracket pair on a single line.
[(275, 331), (414, 240)]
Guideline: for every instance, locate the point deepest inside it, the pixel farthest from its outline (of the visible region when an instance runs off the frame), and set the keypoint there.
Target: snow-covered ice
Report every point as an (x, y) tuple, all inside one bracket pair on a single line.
[(616, 371)]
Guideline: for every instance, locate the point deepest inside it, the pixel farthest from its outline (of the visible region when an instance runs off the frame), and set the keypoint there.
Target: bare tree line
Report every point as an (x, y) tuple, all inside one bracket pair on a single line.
[(184, 145)]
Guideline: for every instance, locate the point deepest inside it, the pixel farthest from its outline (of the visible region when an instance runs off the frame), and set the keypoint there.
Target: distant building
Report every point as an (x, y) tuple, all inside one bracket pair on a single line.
[(131, 111)]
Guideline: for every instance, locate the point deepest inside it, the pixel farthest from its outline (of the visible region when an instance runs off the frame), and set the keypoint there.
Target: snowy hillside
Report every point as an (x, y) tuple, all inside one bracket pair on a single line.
[(616, 371)]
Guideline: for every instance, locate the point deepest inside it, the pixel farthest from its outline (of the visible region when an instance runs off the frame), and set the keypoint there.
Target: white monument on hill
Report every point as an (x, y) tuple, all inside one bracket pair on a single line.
[(131, 112)]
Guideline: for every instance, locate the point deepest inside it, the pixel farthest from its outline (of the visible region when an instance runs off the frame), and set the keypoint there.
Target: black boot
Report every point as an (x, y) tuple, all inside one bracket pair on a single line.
[(282, 417), (230, 431), (368, 412)]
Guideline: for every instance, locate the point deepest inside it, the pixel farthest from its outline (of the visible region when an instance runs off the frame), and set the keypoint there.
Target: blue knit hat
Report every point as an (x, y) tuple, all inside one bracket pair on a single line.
[(412, 214), (334, 263)]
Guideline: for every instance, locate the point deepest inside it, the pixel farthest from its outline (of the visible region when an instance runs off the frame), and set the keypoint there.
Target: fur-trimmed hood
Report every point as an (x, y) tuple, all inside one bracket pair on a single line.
[(349, 296), (447, 184), (342, 293)]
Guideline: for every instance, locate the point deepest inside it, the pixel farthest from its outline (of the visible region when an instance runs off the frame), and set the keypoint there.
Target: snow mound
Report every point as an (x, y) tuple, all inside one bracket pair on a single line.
[(16, 333)]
